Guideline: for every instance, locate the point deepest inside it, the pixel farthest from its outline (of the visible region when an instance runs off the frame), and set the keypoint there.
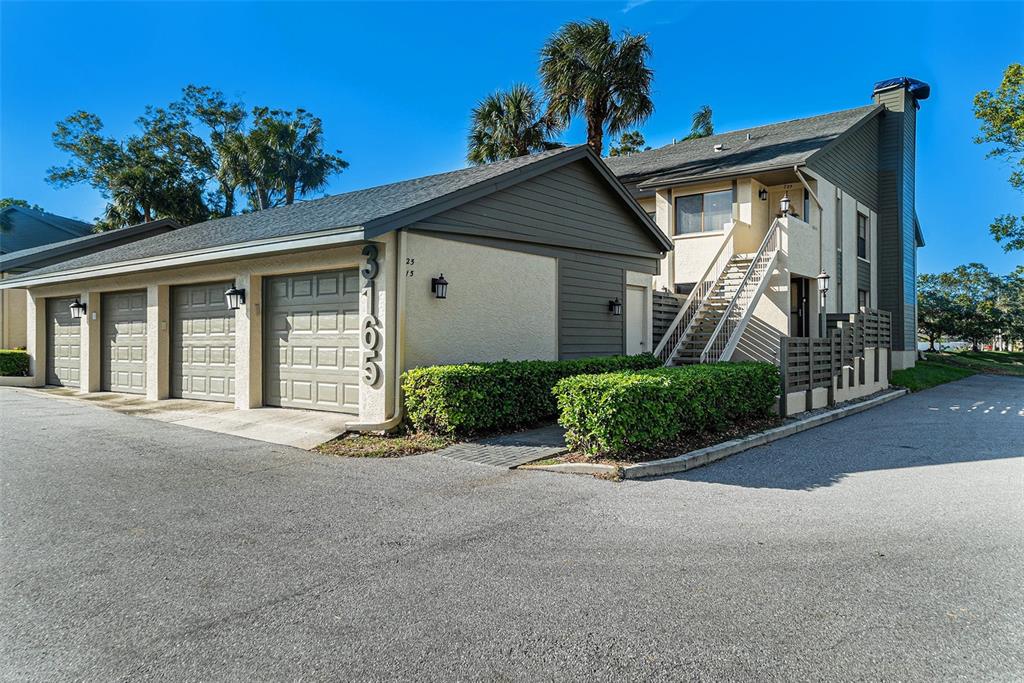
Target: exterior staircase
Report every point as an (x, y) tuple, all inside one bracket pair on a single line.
[(711, 310), (711, 321)]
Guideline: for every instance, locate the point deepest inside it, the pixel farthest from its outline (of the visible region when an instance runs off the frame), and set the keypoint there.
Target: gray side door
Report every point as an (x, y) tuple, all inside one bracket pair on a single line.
[(63, 341), (123, 349), (202, 343), (311, 341)]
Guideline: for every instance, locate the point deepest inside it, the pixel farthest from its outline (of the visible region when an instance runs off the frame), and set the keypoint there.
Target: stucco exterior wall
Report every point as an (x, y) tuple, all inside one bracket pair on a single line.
[(501, 304), (13, 330)]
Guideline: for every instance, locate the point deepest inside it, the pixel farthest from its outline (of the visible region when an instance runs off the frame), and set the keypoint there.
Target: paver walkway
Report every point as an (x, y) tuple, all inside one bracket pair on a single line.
[(510, 450)]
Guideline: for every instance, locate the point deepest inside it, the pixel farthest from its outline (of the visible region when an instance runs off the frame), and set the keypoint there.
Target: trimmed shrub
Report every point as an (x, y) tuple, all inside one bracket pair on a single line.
[(13, 363), (482, 397), (616, 412)]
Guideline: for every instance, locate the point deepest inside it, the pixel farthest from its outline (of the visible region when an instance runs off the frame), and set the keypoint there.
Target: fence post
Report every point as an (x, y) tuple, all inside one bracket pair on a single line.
[(783, 363)]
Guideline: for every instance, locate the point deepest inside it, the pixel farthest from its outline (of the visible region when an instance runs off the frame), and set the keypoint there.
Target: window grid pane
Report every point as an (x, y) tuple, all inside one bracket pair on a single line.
[(717, 210)]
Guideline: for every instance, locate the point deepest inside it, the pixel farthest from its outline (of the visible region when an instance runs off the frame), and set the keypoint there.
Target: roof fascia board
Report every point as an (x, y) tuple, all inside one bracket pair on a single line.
[(704, 177), (232, 251)]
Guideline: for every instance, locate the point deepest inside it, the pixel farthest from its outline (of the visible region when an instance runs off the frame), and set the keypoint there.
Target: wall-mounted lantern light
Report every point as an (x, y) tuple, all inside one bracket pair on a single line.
[(77, 310), (439, 286), (235, 297), (615, 306), (823, 280), (784, 204), (762, 194)]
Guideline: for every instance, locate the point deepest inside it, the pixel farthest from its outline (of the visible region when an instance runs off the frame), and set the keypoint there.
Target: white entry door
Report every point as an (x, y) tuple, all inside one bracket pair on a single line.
[(636, 320)]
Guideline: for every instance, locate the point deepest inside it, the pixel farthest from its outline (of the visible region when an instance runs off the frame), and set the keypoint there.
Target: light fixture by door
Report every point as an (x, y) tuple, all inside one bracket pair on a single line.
[(235, 297), (439, 286), (77, 309)]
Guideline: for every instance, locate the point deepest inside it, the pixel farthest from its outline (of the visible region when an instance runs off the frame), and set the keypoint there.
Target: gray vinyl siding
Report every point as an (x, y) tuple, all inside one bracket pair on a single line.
[(587, 281), (863, 275), (852, 163), (570, 206), (896, 265), (585, 325)]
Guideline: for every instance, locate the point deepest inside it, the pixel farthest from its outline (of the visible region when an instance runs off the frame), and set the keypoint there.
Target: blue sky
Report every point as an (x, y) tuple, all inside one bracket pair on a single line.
[(394, 82)]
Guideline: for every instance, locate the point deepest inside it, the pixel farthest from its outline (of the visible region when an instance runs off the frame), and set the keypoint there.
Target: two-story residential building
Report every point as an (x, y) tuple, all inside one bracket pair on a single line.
[(758, 215)]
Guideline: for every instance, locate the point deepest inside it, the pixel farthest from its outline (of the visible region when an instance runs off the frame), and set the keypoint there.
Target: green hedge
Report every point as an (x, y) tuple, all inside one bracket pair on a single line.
[(483, 397), (13, 363), (616, 412)]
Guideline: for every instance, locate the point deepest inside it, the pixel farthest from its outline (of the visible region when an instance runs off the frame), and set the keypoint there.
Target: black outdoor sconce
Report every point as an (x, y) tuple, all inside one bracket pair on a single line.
[(439, 286), (235, 297), (762, 194), (615, 306), (77, 309)]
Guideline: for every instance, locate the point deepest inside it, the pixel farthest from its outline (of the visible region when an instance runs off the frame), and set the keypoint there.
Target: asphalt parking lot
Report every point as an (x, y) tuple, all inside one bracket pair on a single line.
[(887, 545)]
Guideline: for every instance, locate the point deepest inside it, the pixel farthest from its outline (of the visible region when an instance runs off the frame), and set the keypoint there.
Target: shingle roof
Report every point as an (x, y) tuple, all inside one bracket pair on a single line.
[(776, 145), (22, 228), (351, 209), (97, 240)]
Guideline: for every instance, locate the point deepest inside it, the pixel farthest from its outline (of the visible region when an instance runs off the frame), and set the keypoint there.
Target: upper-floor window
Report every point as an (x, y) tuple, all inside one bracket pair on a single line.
[(862, 236), (708, 212)]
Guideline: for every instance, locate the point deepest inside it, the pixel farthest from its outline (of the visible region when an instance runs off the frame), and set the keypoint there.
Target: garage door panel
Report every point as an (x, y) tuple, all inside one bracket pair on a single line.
[(123, 347), (203, 343), (311, 349), (63, 340)]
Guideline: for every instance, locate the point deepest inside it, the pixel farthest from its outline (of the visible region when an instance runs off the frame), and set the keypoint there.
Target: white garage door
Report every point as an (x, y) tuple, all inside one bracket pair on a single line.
[(311, 341), (202, 343), (123, 352), (63, 341)]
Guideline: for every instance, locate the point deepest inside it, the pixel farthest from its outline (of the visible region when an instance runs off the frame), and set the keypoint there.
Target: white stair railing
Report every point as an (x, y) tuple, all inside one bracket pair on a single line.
[(727, 333), (679, 329)]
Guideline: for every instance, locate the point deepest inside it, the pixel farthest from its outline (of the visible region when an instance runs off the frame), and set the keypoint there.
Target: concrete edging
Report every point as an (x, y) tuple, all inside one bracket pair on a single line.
[(18, 382), (703, 456)]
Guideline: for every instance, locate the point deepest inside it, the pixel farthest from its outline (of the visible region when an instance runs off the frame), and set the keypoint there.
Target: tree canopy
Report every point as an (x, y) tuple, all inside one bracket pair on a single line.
[(702, 125), (584, 70), (12, 201), (1001, 114), (509, 124), (628, 143), (188, 160), (971, 303)]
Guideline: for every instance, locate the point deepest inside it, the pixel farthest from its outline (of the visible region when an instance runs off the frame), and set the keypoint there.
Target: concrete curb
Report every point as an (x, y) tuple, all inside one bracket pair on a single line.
[(574, 468), (703, 456)]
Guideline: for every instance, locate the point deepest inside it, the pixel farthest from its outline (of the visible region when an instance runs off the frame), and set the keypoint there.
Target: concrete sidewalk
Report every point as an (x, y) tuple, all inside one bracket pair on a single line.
[(285, 426)]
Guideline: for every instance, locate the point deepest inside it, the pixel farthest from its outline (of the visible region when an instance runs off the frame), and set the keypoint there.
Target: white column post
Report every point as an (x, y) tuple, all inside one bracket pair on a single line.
[(35, 313), (89, 349), (249, 343), (158, 342)]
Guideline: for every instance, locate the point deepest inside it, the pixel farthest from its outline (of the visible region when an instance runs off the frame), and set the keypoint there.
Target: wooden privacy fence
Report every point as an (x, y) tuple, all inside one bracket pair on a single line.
[(835, 361), (665, 306)]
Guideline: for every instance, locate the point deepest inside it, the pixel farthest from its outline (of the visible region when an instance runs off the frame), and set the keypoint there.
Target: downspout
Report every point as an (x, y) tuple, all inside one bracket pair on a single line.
[(396, 347)]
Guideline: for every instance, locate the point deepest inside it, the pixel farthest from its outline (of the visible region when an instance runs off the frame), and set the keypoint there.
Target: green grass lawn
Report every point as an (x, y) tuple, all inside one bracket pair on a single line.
[(927, 374), (943, 367)]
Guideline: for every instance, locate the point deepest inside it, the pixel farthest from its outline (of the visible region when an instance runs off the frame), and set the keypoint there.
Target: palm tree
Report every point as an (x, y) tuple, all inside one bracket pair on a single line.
[(509, 124), (584, 70), (702, 126)]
